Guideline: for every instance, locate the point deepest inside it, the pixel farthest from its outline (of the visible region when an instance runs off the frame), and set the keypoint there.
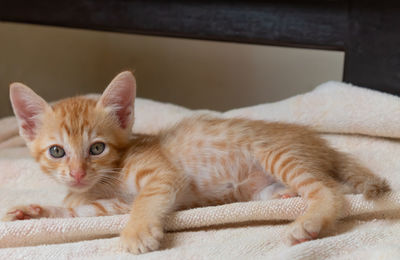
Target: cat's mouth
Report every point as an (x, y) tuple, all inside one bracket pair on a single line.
[(81, 185)]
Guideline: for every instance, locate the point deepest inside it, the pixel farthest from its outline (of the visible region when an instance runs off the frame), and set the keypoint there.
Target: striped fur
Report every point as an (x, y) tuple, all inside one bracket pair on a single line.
[(201, 161)]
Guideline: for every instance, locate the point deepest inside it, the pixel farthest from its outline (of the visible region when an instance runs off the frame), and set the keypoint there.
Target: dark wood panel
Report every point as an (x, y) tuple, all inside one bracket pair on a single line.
[(367, 30), (310, 24), (373, 45)]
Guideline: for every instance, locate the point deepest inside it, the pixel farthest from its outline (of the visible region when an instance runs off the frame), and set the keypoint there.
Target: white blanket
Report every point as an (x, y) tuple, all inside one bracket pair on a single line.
[(362, 122)]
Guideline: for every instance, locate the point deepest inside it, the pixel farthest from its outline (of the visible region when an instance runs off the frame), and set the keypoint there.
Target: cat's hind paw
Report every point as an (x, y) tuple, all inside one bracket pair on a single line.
[(303, 231), (285, 194), (24, 212)]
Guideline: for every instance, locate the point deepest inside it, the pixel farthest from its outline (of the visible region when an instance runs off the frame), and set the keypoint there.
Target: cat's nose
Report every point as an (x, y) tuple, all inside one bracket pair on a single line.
[(77, 174)]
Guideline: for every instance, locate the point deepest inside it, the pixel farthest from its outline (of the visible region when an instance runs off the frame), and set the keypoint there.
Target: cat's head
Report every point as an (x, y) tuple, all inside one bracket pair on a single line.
[(77, 140)]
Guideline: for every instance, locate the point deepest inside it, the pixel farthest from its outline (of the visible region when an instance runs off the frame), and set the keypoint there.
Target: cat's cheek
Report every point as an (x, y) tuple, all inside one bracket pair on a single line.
[(49, 170), (106, 161)]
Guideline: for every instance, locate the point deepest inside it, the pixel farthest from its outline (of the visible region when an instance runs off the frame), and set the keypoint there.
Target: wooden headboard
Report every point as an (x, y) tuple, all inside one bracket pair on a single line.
[(367, 31)]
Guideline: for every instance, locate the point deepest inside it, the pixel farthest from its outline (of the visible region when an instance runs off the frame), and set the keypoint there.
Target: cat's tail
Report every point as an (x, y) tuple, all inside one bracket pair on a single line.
[(359, 178)]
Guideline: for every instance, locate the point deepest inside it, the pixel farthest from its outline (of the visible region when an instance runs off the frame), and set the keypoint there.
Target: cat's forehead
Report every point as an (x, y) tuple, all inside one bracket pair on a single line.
[(74, 105), (75, 115)]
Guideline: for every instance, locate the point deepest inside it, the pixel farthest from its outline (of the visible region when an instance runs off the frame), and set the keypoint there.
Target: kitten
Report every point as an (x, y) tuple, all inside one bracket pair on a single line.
[(88, 146)]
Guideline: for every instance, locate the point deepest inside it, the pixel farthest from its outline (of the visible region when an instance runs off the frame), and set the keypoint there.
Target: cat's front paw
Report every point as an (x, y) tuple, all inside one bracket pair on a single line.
[(142, 236), (25, 212)]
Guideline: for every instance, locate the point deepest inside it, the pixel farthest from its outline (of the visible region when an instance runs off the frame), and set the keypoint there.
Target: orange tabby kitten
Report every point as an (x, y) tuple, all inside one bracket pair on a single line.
[(88, 146)]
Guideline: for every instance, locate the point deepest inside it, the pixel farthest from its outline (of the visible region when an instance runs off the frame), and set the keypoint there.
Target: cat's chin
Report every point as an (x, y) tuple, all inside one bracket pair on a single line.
[(79, 187)]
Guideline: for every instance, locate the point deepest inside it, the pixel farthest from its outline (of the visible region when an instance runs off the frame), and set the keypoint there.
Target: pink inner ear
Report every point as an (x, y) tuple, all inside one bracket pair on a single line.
[(119, 96), (27, 106), (29, 128), (123, 116), (120, 99), (28, 124)]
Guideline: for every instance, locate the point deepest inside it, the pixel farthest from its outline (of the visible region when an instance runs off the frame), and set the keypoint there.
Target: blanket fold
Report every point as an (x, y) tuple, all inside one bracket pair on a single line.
[(47, 231), (362, 122)]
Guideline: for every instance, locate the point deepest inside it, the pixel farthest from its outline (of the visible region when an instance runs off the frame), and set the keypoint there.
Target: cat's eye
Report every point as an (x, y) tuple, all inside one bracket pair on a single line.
[(97, 148), (56, 151)]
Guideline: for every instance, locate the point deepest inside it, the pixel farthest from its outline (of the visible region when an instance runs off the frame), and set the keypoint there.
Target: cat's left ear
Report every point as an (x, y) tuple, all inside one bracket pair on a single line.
[(119, 98)]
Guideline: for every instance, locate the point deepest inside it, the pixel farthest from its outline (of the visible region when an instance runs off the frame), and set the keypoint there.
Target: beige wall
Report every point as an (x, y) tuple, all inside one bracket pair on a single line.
[(59, 62)]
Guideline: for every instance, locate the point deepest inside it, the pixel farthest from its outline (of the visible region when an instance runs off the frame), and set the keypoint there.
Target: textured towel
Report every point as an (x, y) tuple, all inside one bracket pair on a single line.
[(362, 122)]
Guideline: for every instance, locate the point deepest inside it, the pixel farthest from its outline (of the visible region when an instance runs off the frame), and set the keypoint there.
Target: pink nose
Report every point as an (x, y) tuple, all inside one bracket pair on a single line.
[(78, 174)]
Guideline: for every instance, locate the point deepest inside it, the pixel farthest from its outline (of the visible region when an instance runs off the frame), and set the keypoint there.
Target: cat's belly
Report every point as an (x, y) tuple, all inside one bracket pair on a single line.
[(211, 187), (219, 176)]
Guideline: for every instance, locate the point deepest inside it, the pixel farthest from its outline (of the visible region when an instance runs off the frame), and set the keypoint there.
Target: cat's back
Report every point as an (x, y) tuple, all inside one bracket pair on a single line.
[(206, 143), (198, 131)]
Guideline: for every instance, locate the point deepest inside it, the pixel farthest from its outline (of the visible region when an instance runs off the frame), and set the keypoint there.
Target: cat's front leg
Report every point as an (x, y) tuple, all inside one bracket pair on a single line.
[(24, 212), (34, 211), (156, 199), (104, 207)]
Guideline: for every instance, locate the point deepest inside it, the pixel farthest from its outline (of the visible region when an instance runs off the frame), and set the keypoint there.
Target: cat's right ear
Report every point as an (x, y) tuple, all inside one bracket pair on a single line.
[(119, 98), (28, 108)]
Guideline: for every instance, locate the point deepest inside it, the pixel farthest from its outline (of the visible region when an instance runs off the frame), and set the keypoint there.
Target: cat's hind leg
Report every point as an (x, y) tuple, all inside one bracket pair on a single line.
[(309, 180), (324, 205)]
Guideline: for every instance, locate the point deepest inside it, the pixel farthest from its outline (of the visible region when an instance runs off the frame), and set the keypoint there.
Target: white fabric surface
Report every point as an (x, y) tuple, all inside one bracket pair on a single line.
[(362, 122)]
